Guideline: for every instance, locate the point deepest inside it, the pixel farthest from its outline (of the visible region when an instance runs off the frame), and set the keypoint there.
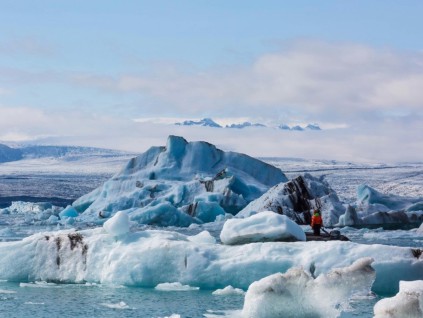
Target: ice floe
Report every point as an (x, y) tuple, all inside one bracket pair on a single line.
[(176, 286), (228, 291)]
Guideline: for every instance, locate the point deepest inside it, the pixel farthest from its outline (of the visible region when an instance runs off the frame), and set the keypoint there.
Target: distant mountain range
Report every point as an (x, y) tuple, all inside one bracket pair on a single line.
[(8, 154), (208, 122), (299, 128)]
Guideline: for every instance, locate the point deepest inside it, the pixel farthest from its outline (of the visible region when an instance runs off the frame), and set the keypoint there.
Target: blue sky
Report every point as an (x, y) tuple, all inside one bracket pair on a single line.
[(81, 72)]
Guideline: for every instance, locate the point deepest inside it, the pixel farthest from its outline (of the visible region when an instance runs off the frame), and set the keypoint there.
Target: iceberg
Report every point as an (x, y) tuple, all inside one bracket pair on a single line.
[(180, 184), (296, 198), (407, 303), (297, 294), (262, 227), (151, 257), (374, 207)]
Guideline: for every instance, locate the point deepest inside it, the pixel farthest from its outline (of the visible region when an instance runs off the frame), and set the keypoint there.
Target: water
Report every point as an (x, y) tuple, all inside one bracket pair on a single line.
[(50, 300)]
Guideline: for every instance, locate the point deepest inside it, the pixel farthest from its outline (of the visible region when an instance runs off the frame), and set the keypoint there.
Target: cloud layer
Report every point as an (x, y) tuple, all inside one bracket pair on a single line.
[(374, 94)]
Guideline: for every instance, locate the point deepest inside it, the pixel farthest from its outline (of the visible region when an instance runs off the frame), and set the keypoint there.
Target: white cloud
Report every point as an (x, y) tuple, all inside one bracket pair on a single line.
[(389, 141), (308, 80), (368, 101)]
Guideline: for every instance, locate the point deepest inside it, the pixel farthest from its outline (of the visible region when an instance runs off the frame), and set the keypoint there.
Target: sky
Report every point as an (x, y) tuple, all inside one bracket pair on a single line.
[(118, 74)]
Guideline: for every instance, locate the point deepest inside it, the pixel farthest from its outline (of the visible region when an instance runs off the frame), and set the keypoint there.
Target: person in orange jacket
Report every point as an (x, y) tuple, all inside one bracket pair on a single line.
[(316, 222)]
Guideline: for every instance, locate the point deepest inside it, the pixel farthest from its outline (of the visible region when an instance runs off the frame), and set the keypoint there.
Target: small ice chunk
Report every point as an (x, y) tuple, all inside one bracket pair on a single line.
[(118, 225), (175, 287), (52, 219), (297, 294), (407, 303), (40, 284), (202, 238), (6, 291), (228, 290), (119, 305), (264, 226)]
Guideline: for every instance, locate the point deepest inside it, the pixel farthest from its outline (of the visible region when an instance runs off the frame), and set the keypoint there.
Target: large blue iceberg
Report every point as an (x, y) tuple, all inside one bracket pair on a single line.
[(180, 184)]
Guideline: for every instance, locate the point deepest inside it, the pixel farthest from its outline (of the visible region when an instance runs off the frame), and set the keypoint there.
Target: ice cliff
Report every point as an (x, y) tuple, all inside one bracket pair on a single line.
[(179, 184)]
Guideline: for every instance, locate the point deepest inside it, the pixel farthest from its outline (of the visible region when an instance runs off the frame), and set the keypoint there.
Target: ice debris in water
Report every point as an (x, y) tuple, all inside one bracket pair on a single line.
[(119, 305), (228, 290), (407, 303), (297, 294), (118, 225), (264, 226), (175, 287)]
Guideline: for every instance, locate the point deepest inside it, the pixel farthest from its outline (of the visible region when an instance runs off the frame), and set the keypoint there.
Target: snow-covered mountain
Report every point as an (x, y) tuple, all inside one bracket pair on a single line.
[(300, 128), (9, 154), (244, 125), (206, 122)]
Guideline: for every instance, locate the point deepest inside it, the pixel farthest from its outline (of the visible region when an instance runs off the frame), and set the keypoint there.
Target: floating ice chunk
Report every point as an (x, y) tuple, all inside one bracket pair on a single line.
[(6, 291), (39, 284), (228, 290), (203, 238), (119, 305), (68, 212), (175, 287), (118, 225), (407, 303), (264, 226), (297, 294)]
